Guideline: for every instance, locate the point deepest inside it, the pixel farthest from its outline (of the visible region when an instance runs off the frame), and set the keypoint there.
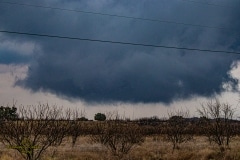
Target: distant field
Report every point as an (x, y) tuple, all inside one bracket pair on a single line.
[(154, 148)]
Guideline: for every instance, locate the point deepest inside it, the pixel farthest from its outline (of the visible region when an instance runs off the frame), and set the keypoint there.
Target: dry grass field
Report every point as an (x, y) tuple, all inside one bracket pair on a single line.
[(46, 133), (154, 148)]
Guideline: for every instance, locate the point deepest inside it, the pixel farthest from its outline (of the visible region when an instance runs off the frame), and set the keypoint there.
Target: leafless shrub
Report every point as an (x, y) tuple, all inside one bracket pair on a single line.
[(118, 137), (37, 128), (78, 126), (217, 122), (177, 128)]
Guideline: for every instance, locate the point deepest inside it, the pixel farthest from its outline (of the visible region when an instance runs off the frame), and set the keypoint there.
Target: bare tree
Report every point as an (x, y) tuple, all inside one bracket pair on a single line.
[(37, 128), (78, 126), (176, 129), (217, 122), (118, 137)]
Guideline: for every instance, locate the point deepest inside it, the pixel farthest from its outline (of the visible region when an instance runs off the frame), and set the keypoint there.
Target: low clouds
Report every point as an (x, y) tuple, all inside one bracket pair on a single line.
[(102, 72), (15, 51)]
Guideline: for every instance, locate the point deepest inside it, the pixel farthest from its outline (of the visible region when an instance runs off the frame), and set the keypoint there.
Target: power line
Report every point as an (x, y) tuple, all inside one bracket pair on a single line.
[(118, 42), (115, 15), (206, 3)]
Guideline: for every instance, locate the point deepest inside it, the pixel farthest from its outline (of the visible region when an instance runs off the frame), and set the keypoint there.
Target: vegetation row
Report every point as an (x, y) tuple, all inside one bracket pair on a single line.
[(32, 130)]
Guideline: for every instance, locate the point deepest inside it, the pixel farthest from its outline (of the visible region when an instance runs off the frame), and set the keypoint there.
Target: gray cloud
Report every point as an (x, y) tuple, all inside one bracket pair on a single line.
[(16, 52), (7, 57), (101, 72)]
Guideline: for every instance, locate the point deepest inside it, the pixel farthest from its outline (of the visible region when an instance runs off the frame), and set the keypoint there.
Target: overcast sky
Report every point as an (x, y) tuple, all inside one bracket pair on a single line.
[(135, 80)]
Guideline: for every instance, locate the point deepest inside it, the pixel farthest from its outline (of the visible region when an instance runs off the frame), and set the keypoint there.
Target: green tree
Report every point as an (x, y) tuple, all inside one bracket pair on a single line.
[(100, 117), (8, 113)]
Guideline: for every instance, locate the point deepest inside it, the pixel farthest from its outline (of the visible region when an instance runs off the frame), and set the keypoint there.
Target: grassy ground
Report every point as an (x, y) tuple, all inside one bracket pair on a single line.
[(154, 148)]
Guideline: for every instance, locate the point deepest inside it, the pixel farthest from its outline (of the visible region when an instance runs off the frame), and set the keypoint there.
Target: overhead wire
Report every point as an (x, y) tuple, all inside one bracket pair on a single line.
[(116, 15), (119, 16), (206, 3), (118, 42)]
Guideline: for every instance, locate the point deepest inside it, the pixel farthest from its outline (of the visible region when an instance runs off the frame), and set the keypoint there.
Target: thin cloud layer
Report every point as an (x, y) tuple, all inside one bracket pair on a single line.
[(103, 72)]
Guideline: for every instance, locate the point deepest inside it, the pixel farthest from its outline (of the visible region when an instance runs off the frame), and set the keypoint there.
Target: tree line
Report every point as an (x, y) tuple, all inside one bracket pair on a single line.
[(32, 130)]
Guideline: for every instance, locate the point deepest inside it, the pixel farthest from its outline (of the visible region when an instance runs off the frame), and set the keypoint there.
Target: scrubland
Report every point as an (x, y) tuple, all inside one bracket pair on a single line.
[(45, 133), (153, 148)]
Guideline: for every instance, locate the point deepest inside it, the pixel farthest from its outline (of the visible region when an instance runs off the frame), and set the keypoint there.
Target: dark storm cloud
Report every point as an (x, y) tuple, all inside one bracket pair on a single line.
[(8, 57), (101, 72)]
